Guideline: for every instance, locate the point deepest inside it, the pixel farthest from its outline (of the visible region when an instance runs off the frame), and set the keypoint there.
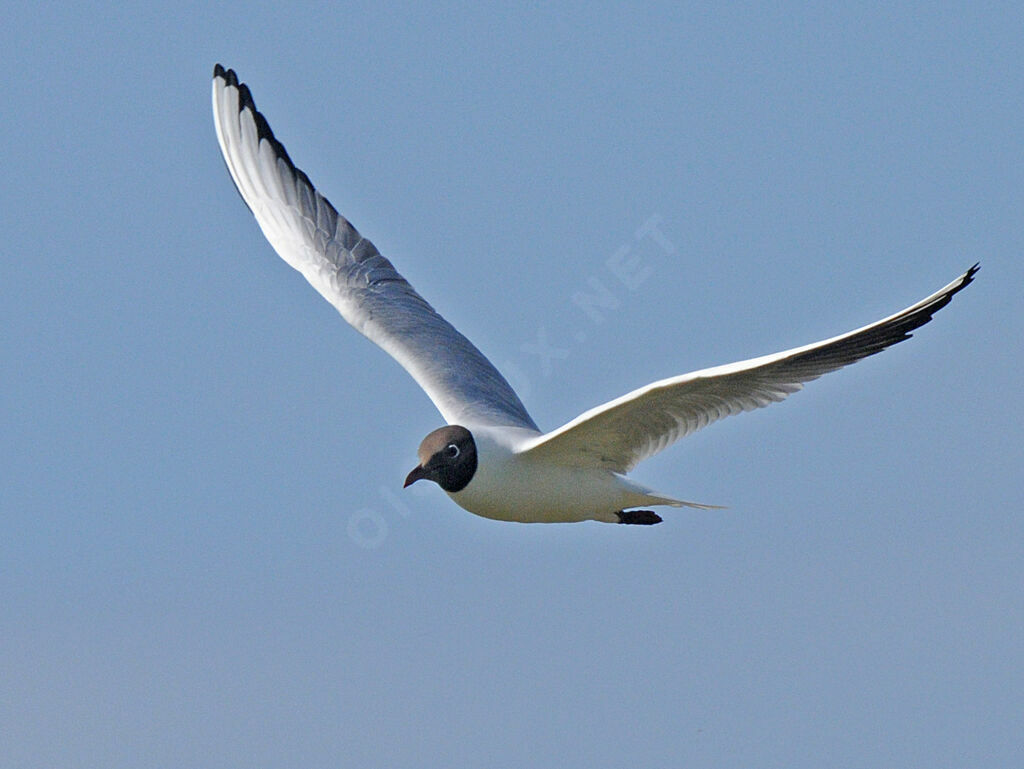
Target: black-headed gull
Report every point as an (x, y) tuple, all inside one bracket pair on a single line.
[(491, 458)]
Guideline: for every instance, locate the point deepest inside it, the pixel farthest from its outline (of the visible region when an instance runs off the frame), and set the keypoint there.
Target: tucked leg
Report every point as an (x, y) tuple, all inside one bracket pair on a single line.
[(639, 517)]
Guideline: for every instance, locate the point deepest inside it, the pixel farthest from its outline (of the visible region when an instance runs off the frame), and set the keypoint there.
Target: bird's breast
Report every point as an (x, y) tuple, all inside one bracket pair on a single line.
[(512, 486)]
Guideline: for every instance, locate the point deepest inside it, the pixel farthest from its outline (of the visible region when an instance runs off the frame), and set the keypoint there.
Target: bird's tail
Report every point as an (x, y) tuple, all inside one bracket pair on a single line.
[(684, 503), (651, 497)]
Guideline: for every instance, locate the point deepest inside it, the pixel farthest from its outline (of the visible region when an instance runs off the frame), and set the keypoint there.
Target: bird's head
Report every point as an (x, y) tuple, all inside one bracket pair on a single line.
[(447, 457)]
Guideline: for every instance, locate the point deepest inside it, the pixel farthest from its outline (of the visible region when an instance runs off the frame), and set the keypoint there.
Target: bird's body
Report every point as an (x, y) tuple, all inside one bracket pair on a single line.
[(513, 484), (491, 458)]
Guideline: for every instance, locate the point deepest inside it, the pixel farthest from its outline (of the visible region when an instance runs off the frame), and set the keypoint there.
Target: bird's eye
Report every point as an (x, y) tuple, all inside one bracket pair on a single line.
[(451, 451)]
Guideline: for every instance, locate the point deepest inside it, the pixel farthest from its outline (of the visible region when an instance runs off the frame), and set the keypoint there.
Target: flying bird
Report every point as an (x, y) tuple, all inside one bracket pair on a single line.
[(490, 457)]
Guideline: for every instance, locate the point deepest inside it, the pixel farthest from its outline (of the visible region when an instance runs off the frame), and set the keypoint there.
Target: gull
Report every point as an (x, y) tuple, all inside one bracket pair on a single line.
[(490, 457)]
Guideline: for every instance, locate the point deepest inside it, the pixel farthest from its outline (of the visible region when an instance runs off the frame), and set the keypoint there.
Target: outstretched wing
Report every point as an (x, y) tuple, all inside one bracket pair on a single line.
[(309, 234), (621, 433)]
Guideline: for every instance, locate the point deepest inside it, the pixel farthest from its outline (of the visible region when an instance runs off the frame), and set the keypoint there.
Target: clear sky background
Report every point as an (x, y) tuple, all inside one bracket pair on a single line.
[(206, 555)]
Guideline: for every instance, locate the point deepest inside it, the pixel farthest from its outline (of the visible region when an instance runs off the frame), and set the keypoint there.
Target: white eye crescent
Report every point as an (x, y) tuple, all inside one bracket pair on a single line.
[(451, 451)]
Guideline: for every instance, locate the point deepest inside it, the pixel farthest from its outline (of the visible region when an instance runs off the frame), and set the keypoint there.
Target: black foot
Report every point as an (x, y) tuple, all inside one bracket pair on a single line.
[(639, 517)]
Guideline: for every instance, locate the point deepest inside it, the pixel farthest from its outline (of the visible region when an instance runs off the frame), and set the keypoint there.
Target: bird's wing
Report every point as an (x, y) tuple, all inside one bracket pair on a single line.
[(622, 432), (310, 235)]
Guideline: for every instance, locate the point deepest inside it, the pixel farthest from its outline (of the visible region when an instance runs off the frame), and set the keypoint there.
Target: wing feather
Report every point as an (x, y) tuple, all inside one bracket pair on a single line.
[(622, 432), (309, 234)]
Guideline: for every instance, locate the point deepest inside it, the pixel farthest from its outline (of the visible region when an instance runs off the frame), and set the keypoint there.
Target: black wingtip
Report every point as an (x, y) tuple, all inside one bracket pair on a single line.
[(246, 102), (969, 275), (965, 280), (228, 75), (263, 130)]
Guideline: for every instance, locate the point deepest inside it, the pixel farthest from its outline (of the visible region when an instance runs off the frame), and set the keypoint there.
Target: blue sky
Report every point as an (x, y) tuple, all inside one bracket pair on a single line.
[(207, 558)]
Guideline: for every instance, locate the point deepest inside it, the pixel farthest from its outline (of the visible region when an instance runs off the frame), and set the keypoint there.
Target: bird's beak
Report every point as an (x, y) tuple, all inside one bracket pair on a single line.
[(417, 473)]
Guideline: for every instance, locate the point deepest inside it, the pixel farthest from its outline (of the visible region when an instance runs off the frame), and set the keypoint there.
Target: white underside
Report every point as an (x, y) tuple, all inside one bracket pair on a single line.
[(512, 486)]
